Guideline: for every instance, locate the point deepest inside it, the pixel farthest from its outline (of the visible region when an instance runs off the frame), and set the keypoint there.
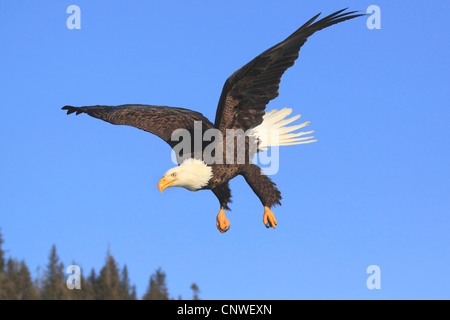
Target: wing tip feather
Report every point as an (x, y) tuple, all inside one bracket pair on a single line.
[(72, 109)]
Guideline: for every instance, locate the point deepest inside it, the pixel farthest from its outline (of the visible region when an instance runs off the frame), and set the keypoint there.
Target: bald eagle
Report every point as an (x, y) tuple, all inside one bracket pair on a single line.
[(241, 106)]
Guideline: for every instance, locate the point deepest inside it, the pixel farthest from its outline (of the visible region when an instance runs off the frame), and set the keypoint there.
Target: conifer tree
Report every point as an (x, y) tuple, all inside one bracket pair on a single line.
[(91, 278), (127, 292), (17, 284), (107, 285), (89, 286), (195, 291), (54, 279), (2, 269), (2, 253), (157, 289), (25, 288), (11, 279)]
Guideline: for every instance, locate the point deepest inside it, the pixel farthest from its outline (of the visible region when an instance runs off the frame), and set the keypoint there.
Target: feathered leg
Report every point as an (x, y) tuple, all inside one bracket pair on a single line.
[(223, 193), (265, 189)]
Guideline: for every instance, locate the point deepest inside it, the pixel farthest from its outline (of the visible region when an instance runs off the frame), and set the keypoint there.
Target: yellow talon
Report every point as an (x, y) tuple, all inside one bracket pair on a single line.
[(222, 222), (269, 218)]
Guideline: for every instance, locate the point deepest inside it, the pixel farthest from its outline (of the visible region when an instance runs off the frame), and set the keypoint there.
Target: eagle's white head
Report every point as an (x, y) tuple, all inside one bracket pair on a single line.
[(191, 174)]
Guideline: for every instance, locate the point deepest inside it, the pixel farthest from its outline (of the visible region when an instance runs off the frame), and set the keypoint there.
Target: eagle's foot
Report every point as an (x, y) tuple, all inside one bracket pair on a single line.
[(222, 222), (269, 218)]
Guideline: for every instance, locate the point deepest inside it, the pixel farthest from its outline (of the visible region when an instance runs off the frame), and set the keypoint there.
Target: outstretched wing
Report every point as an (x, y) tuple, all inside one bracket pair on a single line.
[(247, 91), (161, 121)]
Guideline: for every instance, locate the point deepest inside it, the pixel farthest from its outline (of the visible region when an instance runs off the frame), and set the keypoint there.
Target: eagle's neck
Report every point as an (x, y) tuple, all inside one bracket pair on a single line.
[(196, 174)]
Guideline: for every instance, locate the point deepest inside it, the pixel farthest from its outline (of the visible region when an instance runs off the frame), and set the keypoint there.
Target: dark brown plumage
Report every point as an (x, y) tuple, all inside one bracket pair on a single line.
[(241, 105), (159, 120), (248, 90)]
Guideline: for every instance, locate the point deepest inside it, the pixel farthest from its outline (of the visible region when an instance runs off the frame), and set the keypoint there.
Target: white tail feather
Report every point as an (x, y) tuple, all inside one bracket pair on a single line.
[(273, 131)]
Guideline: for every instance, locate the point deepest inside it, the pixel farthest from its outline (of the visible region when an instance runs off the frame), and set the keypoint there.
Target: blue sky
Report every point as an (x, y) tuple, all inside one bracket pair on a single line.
[(374, 190)]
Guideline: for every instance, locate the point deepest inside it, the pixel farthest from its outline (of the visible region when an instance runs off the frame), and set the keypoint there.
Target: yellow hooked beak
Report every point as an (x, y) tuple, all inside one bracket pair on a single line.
[(164, 183)]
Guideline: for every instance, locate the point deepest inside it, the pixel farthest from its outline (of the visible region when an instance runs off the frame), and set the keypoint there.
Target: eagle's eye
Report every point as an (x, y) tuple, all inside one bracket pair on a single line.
[(173, 175)]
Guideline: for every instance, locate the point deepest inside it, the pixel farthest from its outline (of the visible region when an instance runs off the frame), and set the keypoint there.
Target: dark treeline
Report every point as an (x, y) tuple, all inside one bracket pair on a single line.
[(111, 283)]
